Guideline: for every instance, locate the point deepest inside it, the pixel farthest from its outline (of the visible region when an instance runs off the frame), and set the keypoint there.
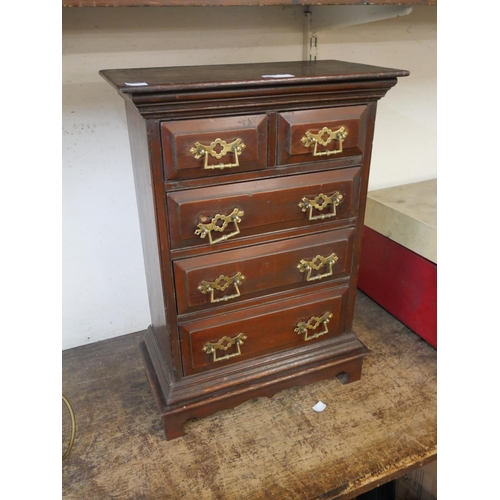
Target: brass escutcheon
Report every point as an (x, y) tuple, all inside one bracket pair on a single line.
[(219, 223), (224, 344), (236, 147), (311, 138), (221, 284), (312, 324), (320, 202), (316, 264)]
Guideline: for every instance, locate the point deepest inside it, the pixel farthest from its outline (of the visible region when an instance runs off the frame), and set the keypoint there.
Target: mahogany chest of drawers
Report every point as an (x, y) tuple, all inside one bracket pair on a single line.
[(251, 184)]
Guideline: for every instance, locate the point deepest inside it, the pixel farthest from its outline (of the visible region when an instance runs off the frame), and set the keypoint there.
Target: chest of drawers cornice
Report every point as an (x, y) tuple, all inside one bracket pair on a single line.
[(251, 186)]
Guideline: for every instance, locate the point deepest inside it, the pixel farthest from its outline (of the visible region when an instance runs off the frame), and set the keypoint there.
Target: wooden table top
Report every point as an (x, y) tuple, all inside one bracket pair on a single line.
[(371, 431)]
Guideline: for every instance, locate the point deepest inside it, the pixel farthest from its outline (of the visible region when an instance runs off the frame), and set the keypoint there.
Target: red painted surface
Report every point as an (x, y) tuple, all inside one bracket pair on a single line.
[(401, 281)]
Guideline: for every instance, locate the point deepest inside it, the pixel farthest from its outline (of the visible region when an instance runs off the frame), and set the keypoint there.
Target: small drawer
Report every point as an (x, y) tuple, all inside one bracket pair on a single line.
[(211, 146), (221, 340), (216, 278), (215, 214), (321, 134)]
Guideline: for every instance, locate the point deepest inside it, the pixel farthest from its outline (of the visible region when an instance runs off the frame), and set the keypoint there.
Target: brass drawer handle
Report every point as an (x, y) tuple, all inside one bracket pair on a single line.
[(312, 324), (320, 202), (219, 223), (221, 284), (236, 147), (316, 264), (310, 138), (224, 344)]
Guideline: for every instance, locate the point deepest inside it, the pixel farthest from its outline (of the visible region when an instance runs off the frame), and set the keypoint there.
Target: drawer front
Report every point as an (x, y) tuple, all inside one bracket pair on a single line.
[(213, 146), (321, 134), (224, 339), (213, 215), (214, 279)]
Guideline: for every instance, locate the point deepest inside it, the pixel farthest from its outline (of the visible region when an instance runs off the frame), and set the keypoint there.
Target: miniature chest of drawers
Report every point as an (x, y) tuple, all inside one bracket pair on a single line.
[(251, 185)]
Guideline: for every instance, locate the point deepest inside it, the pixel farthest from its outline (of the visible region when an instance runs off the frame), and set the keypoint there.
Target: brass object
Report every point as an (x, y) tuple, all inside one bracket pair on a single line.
[(310, 138), (312, 324), (218, 149), (320, 202), (224, 344), (221, 284), (73, 427), (219, 223), (316, 264)]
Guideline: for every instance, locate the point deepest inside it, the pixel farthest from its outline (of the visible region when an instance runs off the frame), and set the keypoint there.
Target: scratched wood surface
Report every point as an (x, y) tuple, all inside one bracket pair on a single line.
[(279, 448), (214, 3)]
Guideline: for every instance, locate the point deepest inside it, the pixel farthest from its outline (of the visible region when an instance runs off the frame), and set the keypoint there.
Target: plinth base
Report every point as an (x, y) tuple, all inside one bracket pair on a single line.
[(202, 395)]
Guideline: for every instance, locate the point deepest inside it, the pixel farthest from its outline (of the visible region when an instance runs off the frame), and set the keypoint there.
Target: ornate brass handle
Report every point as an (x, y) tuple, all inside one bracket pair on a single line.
[(320, 202), (316, 264), (312, 324), (224, 344), (221, 284), (310, 138), (219, 223), (236, 147)]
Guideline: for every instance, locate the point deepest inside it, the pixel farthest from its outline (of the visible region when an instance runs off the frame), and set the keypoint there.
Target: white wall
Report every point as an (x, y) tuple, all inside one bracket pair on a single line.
[(104, 289), (405, 142)]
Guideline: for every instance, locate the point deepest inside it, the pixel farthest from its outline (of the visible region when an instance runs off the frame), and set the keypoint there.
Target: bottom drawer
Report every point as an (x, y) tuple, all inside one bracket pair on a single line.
[(230, 338)]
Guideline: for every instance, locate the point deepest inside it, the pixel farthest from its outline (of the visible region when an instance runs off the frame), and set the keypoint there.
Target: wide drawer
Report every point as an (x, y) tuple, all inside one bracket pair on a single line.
[(215, 214), (214, 279), (220, 340), (212, 146), (321, 134)]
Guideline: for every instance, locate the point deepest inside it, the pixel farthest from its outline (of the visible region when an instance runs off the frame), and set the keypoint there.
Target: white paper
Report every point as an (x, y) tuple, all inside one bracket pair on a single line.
[(283, 75), (319, 406), (139, 84)]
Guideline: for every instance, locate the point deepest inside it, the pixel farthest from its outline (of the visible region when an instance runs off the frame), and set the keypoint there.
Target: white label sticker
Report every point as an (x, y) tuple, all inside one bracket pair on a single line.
[(283, 75), (319, 406), (138, 84)]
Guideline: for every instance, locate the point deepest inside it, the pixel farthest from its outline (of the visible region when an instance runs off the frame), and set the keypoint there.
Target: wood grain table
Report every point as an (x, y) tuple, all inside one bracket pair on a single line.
[(371, 431)]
